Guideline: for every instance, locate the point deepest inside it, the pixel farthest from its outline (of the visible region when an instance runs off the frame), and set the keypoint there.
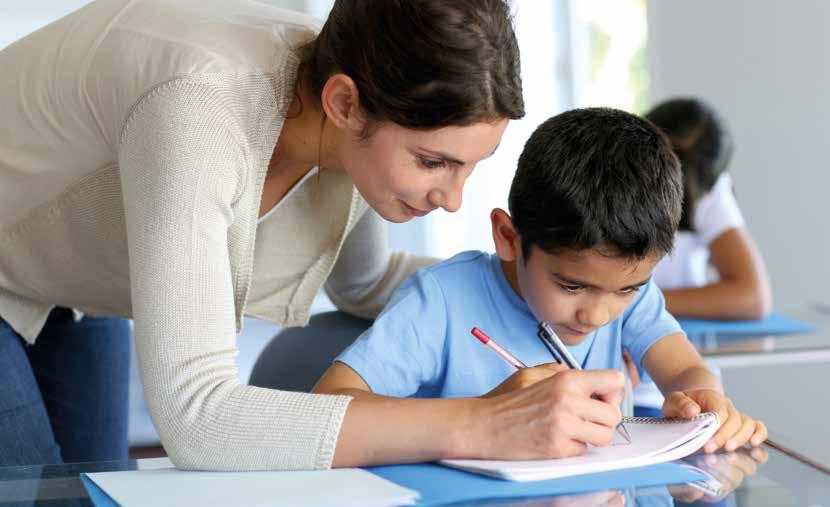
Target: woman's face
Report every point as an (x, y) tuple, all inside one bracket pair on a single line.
[(404, 173)]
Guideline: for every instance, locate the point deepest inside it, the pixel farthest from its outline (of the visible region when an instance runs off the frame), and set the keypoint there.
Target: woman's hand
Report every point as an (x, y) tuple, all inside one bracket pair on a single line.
[(552, 418), (526, 377), (736, 428)]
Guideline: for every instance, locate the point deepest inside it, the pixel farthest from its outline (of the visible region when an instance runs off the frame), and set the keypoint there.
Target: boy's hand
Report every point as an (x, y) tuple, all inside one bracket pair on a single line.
[(526, 377), (736, 428)]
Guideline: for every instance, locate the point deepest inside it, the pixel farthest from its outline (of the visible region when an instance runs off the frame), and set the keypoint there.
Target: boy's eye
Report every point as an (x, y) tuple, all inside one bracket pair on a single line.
[(431, 163), (630, 290), (571, 288)]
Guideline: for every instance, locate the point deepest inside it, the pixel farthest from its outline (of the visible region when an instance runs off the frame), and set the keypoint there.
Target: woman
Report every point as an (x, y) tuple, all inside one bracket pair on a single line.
[(158, 159)]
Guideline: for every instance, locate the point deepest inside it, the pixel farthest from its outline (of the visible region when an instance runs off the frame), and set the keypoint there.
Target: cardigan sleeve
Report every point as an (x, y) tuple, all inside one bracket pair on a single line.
[(182, 158), (367, 273)]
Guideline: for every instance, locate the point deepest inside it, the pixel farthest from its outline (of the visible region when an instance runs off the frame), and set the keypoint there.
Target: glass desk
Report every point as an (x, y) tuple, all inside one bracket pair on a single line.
[(717, 345), (780, 379), (764, 477)]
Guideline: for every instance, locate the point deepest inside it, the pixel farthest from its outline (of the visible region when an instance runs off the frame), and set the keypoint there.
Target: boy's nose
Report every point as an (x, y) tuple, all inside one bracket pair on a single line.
[(594, 316)]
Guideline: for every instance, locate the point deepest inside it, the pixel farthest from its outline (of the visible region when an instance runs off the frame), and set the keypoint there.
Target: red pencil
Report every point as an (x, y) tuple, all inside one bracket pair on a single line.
[(498, 349)]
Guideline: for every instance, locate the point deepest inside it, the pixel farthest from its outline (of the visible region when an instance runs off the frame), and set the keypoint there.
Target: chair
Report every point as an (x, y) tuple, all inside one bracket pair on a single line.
[(297, 357)]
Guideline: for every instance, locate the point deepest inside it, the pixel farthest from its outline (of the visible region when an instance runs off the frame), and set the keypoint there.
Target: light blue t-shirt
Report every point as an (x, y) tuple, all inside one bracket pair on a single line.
[(421, 346)]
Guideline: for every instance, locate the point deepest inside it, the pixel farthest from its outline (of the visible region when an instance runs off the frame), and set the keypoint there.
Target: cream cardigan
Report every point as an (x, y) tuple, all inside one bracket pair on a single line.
[(134, 142)]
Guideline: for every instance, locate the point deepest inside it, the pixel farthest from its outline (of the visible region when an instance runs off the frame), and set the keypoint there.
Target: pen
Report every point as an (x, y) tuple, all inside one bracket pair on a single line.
[(498, 349), (563, 356)]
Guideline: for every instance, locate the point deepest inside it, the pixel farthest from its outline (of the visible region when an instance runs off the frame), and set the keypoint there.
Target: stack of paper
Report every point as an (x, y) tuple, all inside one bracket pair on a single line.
[(168, 486)]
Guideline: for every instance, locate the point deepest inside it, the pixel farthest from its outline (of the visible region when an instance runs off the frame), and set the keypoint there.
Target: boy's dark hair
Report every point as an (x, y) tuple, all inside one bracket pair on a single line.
[(597, 178), (422, 64), (701, 142)]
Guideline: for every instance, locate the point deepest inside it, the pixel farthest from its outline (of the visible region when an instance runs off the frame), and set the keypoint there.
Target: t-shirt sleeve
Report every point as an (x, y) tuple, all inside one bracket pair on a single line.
[(646, 321), (717, 211), (404, 348)]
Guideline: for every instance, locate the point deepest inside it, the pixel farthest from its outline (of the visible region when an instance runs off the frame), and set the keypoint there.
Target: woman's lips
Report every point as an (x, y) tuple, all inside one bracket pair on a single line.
[(415, 211)]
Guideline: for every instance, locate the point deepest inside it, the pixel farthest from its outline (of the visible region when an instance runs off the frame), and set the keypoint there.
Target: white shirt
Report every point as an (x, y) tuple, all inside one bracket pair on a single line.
[(716, 212)]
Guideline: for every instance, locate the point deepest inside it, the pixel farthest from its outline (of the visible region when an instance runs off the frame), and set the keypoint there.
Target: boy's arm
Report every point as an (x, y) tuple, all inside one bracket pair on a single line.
[(690, 388), (340, 378), (675, 365)]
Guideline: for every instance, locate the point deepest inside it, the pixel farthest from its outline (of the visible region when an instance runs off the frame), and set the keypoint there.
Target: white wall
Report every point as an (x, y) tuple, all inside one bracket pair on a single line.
[(765, 64)]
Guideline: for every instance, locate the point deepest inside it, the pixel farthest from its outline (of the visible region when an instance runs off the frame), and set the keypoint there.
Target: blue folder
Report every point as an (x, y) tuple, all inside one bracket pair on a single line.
[(439, 485), (774, 323)]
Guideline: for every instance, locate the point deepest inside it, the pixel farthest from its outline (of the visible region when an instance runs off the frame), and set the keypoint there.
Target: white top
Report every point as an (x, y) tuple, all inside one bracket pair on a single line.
[(134, 142), (314, 170), (716, 212)]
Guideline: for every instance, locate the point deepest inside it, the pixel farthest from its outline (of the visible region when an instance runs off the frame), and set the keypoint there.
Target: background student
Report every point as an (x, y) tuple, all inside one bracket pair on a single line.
[(712, 230)]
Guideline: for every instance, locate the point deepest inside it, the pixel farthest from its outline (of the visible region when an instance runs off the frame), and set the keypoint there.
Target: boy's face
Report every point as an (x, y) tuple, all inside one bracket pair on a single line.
[(576, 291)]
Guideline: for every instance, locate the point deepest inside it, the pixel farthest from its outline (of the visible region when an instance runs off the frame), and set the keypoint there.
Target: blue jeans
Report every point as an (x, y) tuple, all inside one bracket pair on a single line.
[(65, 399)]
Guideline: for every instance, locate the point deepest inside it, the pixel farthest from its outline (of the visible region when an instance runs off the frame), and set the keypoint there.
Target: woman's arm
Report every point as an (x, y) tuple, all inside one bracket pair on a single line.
[(743, 291), (552, 418), (183, 161)]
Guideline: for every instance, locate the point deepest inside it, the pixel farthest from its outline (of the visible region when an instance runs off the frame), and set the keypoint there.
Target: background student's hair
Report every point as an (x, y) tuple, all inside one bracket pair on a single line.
[(701, 142), (428, 63), (597, 178)]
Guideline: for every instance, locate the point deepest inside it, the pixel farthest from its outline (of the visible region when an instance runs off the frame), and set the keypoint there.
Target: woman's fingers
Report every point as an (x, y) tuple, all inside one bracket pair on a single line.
[(606, 385)]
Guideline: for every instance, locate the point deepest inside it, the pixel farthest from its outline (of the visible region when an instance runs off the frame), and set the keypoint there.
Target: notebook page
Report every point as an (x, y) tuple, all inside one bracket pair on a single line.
[(650, 443)]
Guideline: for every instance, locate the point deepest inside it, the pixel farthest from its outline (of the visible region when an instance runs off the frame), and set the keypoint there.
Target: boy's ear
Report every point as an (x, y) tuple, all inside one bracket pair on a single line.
[(340, 100), (507, 240)]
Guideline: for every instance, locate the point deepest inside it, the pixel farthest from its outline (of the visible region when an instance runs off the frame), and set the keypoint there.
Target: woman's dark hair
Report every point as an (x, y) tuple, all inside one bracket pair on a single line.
[(422, 64), (701, 142)]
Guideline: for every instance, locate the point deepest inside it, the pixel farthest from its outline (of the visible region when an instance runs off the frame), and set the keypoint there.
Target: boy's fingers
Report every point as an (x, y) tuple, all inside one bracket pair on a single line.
[(679, 404), (743, 435), (731, 424), (759, 435)]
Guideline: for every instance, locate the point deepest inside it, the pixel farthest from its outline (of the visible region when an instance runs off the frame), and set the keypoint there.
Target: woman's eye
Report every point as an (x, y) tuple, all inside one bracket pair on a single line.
[(429, 163)]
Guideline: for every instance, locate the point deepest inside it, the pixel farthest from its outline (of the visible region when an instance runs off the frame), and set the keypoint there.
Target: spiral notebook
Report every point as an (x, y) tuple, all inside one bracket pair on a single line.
[(653, 440)]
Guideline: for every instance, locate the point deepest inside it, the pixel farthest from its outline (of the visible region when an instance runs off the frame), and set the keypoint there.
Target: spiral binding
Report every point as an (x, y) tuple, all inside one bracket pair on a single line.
[(665, 420)]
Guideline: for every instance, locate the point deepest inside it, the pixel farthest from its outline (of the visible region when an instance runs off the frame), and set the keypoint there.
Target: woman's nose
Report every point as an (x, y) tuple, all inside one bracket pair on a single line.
[(450, 196)]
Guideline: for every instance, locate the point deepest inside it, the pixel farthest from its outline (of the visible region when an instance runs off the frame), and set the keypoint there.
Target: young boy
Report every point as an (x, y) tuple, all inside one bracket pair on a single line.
[(594, 205)]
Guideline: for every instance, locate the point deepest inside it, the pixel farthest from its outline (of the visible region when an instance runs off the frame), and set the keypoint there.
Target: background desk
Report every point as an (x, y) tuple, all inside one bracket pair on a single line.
[(784, 380)]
